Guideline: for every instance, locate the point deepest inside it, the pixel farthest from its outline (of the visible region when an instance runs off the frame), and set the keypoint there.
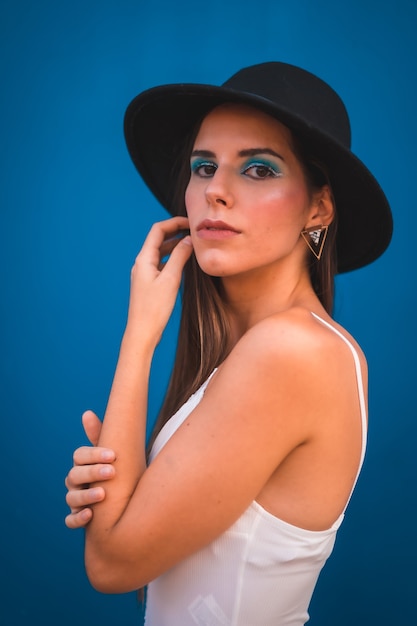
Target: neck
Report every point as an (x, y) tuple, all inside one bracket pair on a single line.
[(258, 295)]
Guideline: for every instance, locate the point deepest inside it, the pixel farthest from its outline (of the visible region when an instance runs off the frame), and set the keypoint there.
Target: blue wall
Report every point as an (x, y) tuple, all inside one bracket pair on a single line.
[(73, 214)]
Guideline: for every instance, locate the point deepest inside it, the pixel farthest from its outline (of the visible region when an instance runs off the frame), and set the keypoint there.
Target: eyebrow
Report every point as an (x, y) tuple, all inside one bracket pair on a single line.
[(243, 153)]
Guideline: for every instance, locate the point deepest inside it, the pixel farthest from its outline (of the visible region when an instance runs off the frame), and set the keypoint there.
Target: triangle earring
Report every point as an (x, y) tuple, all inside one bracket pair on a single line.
[(315, 236)]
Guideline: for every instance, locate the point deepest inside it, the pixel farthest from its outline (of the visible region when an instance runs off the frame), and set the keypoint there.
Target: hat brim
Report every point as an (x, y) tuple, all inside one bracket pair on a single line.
[(159, 120)]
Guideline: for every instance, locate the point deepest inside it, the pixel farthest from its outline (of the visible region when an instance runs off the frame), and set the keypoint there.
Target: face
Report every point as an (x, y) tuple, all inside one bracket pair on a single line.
[(247, 199)]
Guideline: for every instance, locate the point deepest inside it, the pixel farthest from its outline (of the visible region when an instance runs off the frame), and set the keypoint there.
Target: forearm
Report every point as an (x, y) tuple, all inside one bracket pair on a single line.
[(116, 520), (124, 431)]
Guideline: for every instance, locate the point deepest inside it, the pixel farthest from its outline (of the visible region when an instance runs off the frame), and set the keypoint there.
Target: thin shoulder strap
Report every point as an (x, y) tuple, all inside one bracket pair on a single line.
[(361, 393)]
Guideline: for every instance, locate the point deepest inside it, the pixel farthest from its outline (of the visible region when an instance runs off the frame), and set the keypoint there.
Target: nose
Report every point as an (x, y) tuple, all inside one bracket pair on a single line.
[(218, 190)]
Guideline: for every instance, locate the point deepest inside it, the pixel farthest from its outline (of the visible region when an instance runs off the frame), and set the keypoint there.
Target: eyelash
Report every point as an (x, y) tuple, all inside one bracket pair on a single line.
[(198, 167), (272, 170)]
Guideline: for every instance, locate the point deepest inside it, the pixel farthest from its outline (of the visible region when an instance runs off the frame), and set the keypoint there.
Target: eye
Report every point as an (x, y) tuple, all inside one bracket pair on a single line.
[(261, 169), (204, 169)]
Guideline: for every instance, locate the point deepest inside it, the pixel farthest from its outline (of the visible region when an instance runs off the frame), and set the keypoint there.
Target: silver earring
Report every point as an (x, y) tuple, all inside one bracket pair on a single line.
[(315, 236)]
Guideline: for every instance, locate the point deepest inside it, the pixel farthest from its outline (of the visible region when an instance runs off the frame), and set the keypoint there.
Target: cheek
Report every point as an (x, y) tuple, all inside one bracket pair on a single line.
[(279, 219), (288, 203), (189, 200)]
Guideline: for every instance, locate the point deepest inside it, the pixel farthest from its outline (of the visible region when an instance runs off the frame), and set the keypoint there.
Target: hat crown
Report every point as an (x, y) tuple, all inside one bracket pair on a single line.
[(308, 97)]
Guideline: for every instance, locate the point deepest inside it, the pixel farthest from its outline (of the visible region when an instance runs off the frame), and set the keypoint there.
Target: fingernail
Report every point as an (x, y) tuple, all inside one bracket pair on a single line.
[(106, 471), (107, 455)]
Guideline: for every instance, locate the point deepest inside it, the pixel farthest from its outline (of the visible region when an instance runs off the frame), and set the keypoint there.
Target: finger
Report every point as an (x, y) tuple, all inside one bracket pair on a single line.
[(178, 258), (87, 455), (81, 475), (92, 426), (166, 229), (160, 232), (79, 520), (169, 244), (81, 498)]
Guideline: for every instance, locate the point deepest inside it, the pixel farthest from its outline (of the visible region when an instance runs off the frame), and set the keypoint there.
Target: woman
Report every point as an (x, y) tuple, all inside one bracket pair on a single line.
[(262, 434)]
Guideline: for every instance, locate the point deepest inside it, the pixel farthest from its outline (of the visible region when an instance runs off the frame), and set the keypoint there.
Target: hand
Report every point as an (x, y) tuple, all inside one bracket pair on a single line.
[(91, 464), (155, 283)]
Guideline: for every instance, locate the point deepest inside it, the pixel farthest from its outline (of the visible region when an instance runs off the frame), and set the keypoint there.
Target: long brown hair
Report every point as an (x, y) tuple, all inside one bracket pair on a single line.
[(203, 338)]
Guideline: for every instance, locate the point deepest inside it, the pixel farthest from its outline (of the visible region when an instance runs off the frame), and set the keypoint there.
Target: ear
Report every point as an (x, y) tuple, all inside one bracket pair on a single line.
[(322, 207)]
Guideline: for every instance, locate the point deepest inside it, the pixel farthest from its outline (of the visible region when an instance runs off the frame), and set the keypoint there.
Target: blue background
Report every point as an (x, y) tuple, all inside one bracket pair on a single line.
[(74, 214)]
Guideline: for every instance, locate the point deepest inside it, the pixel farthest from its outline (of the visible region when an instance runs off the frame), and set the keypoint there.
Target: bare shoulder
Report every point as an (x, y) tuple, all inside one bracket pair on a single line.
[(297, 331), (297, 344)]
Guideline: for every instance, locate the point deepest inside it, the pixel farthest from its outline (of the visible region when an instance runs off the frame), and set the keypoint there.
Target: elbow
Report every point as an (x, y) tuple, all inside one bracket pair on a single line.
[(108, 575), (102, 575)]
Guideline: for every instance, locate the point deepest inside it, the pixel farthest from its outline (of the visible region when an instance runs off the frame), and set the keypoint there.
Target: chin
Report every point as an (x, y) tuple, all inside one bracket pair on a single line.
[(215, 272), (212, 263)]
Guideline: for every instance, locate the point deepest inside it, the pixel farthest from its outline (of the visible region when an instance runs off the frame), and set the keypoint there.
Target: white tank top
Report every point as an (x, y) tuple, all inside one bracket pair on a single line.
[(261, 572)]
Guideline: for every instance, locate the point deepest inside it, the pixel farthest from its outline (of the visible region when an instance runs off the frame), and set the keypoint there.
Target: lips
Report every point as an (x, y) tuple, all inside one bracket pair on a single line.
[(216, 230)]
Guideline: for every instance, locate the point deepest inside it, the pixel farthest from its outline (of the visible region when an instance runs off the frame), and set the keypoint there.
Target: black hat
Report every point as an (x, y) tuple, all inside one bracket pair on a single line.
[(158, 120)]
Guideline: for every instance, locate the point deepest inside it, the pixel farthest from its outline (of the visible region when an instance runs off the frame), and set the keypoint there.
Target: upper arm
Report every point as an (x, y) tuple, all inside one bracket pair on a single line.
[(253, 414)]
